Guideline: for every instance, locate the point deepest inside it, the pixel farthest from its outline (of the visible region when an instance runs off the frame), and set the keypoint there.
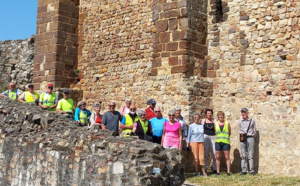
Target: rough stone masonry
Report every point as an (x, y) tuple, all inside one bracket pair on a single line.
[(39, 147)]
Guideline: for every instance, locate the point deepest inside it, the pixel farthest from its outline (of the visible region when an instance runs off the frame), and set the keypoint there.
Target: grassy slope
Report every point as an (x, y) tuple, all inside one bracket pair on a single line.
[(236, 179)]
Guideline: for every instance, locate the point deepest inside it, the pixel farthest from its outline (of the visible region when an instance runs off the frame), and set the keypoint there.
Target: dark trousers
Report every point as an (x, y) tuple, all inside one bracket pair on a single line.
[(156, 139)]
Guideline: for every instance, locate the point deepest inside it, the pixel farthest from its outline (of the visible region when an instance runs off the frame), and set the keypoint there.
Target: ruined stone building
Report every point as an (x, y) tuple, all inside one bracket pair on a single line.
[(221, 54)]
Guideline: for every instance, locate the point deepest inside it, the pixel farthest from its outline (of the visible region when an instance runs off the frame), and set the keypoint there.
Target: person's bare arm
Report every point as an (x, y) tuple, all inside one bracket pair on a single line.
[(229, 129), (162, 138), (60, 111), (1, 95), (122, 126), (42, 106), (20, 100), (133, 129), (54, 106)]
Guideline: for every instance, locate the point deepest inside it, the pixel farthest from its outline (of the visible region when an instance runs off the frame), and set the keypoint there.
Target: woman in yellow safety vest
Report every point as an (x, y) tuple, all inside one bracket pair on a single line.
[(82, 114), (222, 143)]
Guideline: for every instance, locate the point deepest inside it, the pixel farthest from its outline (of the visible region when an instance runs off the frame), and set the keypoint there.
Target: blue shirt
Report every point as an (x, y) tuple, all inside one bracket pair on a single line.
[(77, 112), (196, 133), (157, 126), (18, 92)]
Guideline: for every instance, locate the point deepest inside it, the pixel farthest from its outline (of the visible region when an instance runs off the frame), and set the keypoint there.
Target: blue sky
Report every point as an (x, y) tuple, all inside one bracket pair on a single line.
[(17, 19)]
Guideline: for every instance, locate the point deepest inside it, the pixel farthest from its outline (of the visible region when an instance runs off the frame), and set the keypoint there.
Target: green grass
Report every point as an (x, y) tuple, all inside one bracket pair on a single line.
[(237, 179)]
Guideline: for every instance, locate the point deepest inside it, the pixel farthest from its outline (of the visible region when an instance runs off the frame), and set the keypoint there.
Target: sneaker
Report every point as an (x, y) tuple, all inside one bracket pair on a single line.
[(252, 173), (217, 174), (228, 174), (243, 173), (197, 174), (214, 171), (205, 175)]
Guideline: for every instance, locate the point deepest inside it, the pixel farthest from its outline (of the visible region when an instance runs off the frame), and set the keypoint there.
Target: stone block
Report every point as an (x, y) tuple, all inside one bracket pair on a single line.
[(171, 14), (156, 62), (178, 69), (161, 25), (172, 46), (169, 6), (164, 37), (173, 61)]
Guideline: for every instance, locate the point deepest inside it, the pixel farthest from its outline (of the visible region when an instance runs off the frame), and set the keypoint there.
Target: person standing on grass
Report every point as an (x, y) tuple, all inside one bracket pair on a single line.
[(209, 138), (223, 132), (247, 127), (195, 140)]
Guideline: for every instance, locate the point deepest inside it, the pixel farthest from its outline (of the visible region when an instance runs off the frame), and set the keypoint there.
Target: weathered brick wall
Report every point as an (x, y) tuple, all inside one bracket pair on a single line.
[(141, 53), (56, 43), (255, 53), (16, 62), (39, 147)]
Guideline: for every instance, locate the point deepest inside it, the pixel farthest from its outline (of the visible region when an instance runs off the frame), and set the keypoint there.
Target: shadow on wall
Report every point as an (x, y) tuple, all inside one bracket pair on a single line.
[(236, 163)]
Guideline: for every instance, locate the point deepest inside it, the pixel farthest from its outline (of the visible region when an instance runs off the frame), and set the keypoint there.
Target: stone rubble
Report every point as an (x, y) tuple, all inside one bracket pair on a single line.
[(39, 147)]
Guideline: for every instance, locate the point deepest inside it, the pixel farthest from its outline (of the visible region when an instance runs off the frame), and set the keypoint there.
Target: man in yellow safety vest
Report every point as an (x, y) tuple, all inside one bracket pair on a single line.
[(29, 96), (48, 100), (12, 92), (128, 121), (65, 105)]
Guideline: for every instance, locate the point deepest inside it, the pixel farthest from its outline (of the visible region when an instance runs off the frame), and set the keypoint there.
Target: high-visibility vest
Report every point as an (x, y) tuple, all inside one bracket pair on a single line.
[(12, 94), (129, 122), (222, 136), (144, 125), (50, 101), (29, 98), (83, 117)]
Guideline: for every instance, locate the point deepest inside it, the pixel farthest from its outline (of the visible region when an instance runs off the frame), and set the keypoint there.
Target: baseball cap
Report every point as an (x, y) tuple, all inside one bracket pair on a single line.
[(50, 85), (151, 101), (65, 90), (177, 108), (244, 110)]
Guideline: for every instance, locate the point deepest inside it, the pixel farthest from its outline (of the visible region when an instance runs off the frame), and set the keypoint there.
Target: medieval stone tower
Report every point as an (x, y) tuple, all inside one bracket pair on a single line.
[(189, 53)]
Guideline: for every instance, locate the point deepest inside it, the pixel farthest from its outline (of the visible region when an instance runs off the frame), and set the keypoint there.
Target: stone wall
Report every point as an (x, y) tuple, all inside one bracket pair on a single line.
[(42, 148), (142, 53), (16, 62), (254, 51)]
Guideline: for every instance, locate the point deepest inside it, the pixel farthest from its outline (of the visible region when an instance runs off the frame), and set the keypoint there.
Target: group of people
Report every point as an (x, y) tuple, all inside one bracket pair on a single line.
[(202, 137)]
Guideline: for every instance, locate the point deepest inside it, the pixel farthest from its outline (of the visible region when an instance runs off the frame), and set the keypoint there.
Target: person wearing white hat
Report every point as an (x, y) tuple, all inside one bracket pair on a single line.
[(29, 96)]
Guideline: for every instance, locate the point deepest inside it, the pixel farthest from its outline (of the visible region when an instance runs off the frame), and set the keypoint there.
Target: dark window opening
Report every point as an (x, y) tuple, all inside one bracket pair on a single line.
[(219, 16), (269, 93)]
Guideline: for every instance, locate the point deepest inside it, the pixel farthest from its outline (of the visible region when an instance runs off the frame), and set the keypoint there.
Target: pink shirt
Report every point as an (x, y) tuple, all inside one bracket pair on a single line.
[(171, 138)]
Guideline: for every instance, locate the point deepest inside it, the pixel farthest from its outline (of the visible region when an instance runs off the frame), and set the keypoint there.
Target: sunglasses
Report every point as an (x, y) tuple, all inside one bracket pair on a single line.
[(112, 105), (50, 87), (133, 109), (66, 93), (143, 115), (171, 115), (30, 86), (156, 111)]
